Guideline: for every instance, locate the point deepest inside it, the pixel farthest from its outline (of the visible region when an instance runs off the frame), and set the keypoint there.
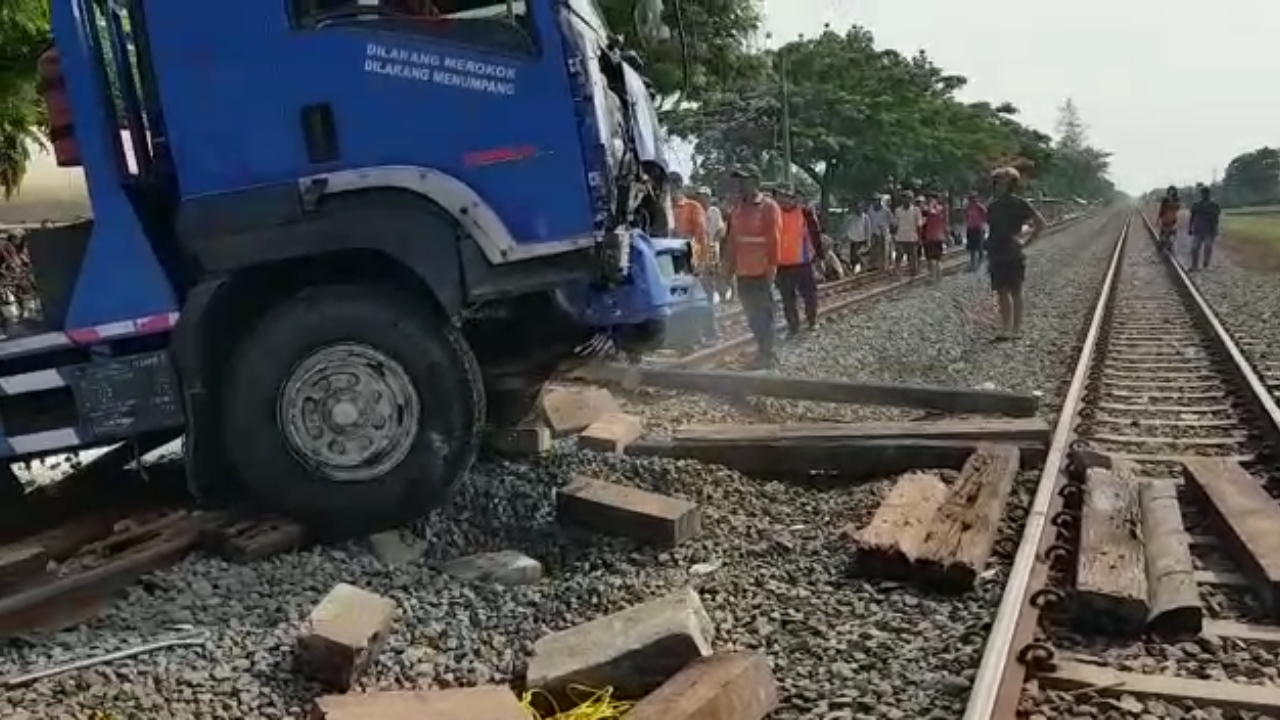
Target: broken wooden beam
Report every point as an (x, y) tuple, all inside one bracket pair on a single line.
[(1111, 575), (620, 511), (724, 686), (889, 544), (850, 459), (1248, 515), (1173, 594), (991, 430), (958, 545), (955, 401)]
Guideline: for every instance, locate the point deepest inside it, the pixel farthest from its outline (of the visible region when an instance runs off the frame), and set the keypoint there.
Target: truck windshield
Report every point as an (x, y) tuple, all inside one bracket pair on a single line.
[(589, 11), (490, 24)]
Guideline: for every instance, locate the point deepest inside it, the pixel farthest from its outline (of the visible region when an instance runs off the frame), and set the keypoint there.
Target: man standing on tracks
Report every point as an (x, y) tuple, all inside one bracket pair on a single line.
[(1006, 217), (935, 236), (975, 230), (909, 219), (750, 255), (881, 218), (691, 224), (800, 240), (856, 235), (1205, 215)]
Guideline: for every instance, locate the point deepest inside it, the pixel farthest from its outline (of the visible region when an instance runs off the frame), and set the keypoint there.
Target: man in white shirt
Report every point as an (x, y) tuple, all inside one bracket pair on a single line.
[(909, 219), (715, 235), (857, 232), (880, 219)]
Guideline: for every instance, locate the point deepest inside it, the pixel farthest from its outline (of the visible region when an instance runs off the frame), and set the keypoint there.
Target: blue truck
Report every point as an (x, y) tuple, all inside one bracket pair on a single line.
[(336, 241)]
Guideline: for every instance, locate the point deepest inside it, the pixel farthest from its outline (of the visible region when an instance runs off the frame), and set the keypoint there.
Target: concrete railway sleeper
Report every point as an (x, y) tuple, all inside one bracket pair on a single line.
[(1147, 582)]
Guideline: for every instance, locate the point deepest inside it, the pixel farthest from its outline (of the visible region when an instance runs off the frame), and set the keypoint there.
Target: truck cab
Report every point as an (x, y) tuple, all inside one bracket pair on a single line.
[(336, 241)]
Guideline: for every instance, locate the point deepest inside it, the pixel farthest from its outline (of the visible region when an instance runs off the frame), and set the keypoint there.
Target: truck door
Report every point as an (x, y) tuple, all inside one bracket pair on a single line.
[(477, 89)]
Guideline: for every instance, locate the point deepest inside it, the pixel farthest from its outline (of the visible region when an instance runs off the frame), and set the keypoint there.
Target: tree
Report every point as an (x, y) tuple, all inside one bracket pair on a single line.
[(1252, 179), (24, 34), (860, 118), (714, 48)]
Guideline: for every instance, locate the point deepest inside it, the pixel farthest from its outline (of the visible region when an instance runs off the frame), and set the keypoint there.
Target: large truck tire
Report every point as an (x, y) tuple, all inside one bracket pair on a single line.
[(352, 409)]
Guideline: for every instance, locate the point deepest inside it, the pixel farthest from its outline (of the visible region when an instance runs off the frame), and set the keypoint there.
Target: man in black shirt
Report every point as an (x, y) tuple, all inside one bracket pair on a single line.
[(1205, 214), (1007, 216)]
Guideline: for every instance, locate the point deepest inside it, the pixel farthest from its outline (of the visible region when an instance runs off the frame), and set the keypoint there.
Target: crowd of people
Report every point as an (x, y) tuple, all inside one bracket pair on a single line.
[(765, 237), (1194, 227)]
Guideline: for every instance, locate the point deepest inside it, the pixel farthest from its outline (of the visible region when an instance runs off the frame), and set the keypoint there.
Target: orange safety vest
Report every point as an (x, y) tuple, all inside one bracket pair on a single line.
[(753, 237), (691, 224), (794, 248)]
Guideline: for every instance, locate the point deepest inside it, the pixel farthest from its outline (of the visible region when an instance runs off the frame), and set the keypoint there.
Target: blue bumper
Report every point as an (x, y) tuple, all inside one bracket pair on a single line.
[(660, 285)]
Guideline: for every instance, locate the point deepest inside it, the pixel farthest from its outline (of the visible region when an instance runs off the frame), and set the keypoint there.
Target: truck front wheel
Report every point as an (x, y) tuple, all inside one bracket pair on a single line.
[(352, 409)]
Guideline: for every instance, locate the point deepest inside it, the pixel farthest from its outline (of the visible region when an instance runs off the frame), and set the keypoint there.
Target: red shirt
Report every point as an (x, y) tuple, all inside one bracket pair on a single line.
[(935, 223), (975, 215)]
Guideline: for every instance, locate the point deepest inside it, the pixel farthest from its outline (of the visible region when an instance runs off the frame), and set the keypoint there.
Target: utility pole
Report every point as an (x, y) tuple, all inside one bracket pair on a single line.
[(786, 120)]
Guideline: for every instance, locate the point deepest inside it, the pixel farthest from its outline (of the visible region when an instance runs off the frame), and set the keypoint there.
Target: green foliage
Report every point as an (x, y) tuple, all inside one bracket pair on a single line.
[(24, 34), (1252, 179), (866, 120)]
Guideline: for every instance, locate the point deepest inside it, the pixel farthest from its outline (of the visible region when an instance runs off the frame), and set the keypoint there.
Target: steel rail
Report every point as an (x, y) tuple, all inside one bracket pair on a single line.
[(998, 684), (1240, 364), (995, 683), (869, 283)]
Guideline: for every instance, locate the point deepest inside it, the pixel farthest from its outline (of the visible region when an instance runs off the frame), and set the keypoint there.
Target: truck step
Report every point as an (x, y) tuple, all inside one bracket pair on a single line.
[(12, 347)]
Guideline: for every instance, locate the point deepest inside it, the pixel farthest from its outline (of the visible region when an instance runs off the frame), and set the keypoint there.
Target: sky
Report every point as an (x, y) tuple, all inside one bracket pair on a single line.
[(1174, 89)]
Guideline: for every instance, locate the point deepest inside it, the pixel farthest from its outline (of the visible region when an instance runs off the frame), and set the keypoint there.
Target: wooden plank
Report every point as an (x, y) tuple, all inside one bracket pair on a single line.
[(1249, 516), (1172, 592), (852, 459), (1111, 578), (1078, 676), (720, 382), (621, 511), (612, 433), (891, 541), (1017, 430), (956, 548)]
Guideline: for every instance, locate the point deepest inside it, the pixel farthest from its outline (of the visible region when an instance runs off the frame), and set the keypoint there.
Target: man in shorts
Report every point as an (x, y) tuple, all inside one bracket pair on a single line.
[(935, 236), (1007, 216)]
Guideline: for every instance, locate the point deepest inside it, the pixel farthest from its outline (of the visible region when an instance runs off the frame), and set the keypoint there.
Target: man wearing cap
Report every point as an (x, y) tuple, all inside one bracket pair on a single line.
[(750, 255)]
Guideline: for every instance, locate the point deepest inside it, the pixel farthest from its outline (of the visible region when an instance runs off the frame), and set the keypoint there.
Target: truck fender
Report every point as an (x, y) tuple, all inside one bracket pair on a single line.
[(475, 217)]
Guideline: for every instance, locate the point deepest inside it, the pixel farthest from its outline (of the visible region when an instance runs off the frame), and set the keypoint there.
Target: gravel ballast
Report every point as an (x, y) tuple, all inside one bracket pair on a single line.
[(1247, 301), (934, 335), (768, 565), (768, 568)]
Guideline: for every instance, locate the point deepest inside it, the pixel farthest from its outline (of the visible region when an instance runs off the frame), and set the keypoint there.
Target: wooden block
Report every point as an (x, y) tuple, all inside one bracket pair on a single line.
[(522, 440), (342, 636), (612, 433), (1079, 677), (573, 409), (1172, 590), (995, 430), (620, 511), (851, 459), (956, 548), (955, 401), (489, 702), (1249, 516), (1111, 575), (725, 686), (889, 544), (633, 651), (21, 562)]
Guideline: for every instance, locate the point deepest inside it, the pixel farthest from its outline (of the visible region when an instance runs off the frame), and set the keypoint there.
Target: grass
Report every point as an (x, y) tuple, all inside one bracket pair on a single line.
[(1256, 237)]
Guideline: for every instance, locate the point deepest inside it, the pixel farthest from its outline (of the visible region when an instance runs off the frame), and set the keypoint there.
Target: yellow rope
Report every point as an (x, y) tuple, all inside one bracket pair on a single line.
[(599, 705)]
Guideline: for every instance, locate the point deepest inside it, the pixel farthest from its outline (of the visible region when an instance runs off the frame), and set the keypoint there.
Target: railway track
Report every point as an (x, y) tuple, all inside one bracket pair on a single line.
[(102, 534), (1147, 583), (834, 298)]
